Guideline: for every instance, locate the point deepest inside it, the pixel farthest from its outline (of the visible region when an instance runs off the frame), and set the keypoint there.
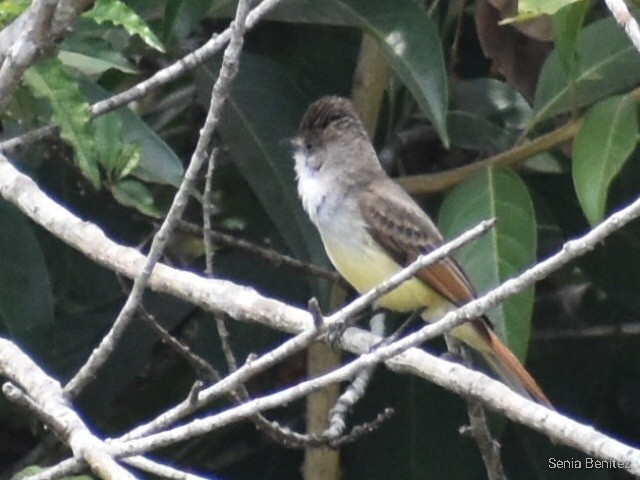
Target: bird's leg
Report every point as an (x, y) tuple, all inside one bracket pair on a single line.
[(456, 352), (335, 333), (415, 315)]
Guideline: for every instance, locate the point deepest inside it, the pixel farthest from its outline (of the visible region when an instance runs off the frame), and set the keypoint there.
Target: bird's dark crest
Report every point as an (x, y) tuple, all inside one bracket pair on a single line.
[(327, 111)]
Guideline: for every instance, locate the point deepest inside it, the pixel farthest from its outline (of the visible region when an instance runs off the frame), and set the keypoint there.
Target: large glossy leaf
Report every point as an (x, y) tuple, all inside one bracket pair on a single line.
[(409, 41), (260, 116), (26, 301), (607, 137), (504, 251), (607, 63)]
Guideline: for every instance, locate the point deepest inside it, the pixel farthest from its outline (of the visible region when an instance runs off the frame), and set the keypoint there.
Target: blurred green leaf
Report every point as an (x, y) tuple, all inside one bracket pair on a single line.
[(607, 63), (607, 137), (258, 119), (26, 300), (566, 24), (29, 471), (501, 253), (613, 264), (92, 56), (92, 65), (117, 158), (70, 111), (410, 42), (10, 9), (119, 14), (158, 163), (475, 132), (136, 194), (543, 7), (182, 16), (486, 115)]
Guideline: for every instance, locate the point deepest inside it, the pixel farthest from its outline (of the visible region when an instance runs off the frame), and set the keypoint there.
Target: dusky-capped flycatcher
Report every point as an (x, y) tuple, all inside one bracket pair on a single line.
[(371, 228)]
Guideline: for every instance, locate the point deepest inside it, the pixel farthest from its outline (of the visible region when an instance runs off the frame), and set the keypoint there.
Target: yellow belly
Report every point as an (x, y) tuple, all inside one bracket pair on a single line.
[(366, 268)]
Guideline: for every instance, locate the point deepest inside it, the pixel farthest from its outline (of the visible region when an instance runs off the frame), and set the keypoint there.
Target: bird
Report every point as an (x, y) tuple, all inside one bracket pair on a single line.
[(371, 229)]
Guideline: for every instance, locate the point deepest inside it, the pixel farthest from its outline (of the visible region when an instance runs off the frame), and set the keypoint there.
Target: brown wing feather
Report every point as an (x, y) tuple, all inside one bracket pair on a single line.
[(399, 226), (404, 231)]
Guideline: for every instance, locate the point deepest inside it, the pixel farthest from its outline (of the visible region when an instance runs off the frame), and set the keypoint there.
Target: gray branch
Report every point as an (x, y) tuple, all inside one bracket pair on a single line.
[(624, 18), (45, 397)]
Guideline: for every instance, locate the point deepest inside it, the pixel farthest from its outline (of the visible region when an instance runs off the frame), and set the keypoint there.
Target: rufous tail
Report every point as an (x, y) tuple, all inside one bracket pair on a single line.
[(507, 365), (480, 337)]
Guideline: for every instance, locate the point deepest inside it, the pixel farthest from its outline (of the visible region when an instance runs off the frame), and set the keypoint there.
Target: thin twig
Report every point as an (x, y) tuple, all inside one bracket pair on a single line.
[(352, 395), (478, 428), (223, 333), (550, 334), (207, 212), (268, 254), (220, 92)]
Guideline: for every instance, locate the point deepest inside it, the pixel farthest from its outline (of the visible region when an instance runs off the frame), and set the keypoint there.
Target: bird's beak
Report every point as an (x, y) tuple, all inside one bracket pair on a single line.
[(295, 143)]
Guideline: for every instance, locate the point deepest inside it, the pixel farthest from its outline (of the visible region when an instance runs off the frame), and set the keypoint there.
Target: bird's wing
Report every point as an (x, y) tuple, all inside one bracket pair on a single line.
[(404, 231)]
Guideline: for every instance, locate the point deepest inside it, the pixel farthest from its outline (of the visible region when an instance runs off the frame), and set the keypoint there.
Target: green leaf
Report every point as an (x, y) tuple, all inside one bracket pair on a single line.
[(119, 14), (182, 16), (504, 251), (92, 56), (474, 132), (133, 193), (70, 111), (607, 137), (33, 470), (258, 145), (566, 24), (26, 300), (9, 10), (158, 163), (486, 115), (409, 41), (543, 7), (92, 65), (117, 159), (607, 63)]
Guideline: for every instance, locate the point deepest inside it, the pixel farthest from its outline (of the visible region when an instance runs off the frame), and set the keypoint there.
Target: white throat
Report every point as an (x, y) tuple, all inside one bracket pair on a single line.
[(312, 187)]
